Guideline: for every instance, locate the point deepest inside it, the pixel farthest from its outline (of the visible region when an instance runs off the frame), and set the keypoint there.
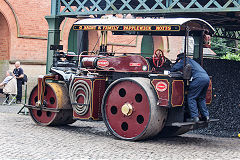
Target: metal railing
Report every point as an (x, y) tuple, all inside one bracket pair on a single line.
[(100, 7)]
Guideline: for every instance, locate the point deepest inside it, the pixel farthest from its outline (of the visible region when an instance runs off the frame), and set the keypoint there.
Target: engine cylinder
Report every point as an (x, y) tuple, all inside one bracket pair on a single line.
[(89, 62)]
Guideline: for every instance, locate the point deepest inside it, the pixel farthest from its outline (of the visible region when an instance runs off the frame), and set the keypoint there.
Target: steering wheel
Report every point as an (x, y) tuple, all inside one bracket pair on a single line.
[(158, 58)]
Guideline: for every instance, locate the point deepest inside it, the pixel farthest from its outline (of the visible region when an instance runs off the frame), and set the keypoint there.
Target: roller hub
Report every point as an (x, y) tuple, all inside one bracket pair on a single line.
[(127, 109)]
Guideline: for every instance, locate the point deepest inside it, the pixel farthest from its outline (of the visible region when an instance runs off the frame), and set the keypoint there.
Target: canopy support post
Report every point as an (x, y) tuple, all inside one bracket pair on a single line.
[(54, 23)]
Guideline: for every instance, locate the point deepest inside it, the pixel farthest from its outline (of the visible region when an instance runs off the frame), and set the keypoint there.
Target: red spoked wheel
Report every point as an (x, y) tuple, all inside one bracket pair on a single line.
[(158, 58), (130, 109), (55, 98)]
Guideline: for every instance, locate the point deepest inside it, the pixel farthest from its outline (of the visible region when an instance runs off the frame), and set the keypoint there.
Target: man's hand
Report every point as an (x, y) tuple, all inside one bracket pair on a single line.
[(21, 76)]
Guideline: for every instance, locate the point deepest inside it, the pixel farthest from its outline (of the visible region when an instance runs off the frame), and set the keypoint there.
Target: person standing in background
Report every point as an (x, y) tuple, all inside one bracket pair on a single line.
[(18, 72)]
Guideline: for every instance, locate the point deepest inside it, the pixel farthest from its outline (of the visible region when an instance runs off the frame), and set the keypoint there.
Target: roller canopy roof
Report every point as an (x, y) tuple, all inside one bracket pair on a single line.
[(174, 26)]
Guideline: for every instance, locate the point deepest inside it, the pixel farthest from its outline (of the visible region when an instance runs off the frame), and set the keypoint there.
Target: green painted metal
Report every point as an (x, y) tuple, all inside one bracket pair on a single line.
[(147, 48), (196, 47), (72, 41), (55, 7), (222, 32), (54, 23), (100, 7), (204, 9)]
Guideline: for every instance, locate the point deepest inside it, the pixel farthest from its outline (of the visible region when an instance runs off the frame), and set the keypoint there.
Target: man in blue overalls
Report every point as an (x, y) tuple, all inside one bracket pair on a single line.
[(197, 89)]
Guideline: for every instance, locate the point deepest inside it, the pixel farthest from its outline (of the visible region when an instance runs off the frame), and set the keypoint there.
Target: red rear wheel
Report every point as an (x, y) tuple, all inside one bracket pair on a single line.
[(129, 109)]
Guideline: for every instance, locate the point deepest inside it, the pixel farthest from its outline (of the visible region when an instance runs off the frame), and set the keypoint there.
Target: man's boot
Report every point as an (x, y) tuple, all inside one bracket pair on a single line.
[(194, 119)]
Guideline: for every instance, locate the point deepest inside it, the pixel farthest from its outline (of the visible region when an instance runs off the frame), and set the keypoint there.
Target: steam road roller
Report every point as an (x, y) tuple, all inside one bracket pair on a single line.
[(136, 96)]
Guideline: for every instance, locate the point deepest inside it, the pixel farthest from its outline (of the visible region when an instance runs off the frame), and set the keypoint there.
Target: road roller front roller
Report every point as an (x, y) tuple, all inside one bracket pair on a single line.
[(130, 111), (57, 109)]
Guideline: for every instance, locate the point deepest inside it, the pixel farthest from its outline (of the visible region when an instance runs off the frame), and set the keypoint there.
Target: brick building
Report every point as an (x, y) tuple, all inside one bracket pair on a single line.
[(24, 31)]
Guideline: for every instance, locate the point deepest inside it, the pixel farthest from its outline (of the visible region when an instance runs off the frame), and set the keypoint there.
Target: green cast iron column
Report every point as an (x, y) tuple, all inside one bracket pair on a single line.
[(54, 23)]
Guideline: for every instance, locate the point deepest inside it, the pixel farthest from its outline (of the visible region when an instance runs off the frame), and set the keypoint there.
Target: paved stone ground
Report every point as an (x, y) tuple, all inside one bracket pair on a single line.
[(21, 138)]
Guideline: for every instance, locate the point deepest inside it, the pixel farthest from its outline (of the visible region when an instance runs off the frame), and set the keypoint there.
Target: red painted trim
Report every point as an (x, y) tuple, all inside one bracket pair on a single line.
[(172, 103), (158, 92), (209, 89)]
